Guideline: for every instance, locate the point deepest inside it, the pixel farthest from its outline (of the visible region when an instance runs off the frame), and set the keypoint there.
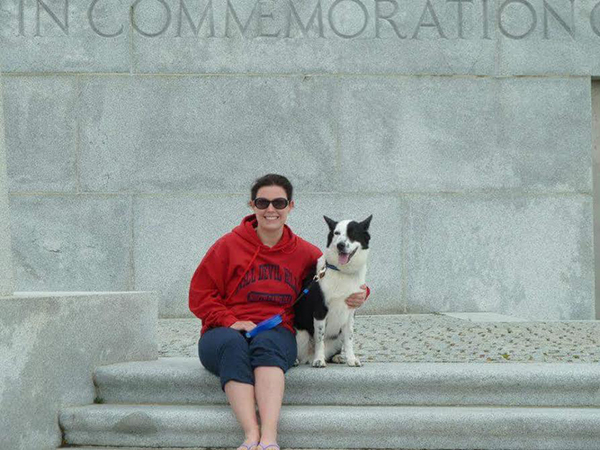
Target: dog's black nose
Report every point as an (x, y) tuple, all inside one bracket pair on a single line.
[(341, 247)]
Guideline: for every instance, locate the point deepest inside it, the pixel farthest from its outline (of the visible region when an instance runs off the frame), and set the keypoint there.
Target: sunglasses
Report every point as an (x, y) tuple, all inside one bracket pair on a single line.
[(278, 203)]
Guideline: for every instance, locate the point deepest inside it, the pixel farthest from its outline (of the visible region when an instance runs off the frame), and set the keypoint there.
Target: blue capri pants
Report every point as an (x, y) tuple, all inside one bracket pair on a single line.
[(230, 355)]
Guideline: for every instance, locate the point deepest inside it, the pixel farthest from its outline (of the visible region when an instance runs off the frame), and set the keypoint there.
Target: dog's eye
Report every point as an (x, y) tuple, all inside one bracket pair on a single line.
[(336, 232)]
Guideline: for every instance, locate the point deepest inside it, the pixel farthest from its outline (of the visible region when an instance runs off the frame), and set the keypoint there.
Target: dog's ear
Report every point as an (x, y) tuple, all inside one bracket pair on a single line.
[(365, 223), (331, 223)]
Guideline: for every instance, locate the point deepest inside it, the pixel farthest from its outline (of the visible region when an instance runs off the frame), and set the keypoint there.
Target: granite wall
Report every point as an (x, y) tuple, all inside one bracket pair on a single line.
[(134, 130)]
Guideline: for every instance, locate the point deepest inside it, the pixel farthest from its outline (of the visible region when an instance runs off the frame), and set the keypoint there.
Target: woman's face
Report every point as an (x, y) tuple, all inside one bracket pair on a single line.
[(271, 219)]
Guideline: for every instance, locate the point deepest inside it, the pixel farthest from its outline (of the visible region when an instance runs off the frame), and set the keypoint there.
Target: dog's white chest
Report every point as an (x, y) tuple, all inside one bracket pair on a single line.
[(336, 288), (337, 316)]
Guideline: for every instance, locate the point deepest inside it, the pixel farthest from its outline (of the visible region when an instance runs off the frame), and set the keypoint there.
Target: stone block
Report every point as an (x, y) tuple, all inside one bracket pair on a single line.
[(41, 132), (75, 242), (458, 134), (205, 134), (50, 344), (529, 256)]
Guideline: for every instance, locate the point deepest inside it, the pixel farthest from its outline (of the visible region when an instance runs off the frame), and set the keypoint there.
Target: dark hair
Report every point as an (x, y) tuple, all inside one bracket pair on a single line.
[(272, 179)]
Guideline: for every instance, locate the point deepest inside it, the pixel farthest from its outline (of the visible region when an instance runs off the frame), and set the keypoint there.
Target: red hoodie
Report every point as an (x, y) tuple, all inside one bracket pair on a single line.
[(240, 278)]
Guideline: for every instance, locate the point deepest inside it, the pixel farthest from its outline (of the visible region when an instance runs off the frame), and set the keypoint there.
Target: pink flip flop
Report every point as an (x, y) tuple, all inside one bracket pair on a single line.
[(249, 446), (267, 446)]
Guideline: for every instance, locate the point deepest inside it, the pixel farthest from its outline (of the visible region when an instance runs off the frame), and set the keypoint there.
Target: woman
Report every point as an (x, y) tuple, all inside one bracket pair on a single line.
[(249, 275)]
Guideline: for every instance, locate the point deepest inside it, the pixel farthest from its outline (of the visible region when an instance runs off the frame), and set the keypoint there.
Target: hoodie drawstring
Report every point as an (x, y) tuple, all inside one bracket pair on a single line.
[(243, 274)]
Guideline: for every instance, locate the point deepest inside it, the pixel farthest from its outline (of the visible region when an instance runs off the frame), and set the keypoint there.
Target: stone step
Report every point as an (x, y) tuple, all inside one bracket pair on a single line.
[(415, 427), (184, 381)]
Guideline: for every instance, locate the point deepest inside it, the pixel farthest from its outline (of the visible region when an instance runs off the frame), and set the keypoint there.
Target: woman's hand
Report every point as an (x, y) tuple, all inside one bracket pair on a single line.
[(243, 325), (358, 298)]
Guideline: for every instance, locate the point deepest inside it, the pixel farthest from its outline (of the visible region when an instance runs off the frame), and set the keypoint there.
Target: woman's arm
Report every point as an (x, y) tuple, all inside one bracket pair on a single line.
[(205, 299), (358, 298)]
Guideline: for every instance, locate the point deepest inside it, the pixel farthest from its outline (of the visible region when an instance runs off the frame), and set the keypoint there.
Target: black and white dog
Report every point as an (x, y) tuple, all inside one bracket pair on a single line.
[(324, 322)]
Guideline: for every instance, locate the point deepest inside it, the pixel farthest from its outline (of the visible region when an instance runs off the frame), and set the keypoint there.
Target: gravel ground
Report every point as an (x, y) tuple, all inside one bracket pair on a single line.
[(438, 338)]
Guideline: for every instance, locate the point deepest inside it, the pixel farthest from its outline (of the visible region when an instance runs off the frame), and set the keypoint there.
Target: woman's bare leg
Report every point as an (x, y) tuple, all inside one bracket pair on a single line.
[(268, 387), (241, 399)]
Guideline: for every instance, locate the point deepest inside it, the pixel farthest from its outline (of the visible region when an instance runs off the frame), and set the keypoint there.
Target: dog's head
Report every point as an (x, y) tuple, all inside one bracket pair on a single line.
[(348, 243)]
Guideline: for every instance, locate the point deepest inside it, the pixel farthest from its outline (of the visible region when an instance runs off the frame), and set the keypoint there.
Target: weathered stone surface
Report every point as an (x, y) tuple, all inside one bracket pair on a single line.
[(457, 134), (65, 36), (530, 256), (72, 242), (550, 37), (596, 170), (205, 134), (511, 37), (394, 427), (324, 36), (6, 270), (367, 121), (41, 132), (184, 381), (173, 233), (351, 144)]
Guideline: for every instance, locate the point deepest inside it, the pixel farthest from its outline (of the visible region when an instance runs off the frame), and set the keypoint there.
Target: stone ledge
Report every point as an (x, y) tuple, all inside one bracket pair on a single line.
[(183, 381), (339, 426), (50, 344), (66, 294)]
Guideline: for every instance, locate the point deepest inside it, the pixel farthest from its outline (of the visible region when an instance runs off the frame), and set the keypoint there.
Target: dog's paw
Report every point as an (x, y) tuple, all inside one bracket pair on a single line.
[(338, 359), (318, 363), (296, 363), (354, 362)]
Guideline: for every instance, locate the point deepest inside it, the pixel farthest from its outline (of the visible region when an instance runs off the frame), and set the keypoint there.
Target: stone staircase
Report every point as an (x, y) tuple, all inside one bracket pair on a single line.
[(174, 402)]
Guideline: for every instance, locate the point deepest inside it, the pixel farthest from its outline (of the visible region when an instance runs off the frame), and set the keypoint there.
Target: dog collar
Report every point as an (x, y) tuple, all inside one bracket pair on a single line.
[(331, 266), (321, 273)]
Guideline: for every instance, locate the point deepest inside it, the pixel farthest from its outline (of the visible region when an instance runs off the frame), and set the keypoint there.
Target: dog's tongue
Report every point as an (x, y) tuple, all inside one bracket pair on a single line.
[(344, 258)]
